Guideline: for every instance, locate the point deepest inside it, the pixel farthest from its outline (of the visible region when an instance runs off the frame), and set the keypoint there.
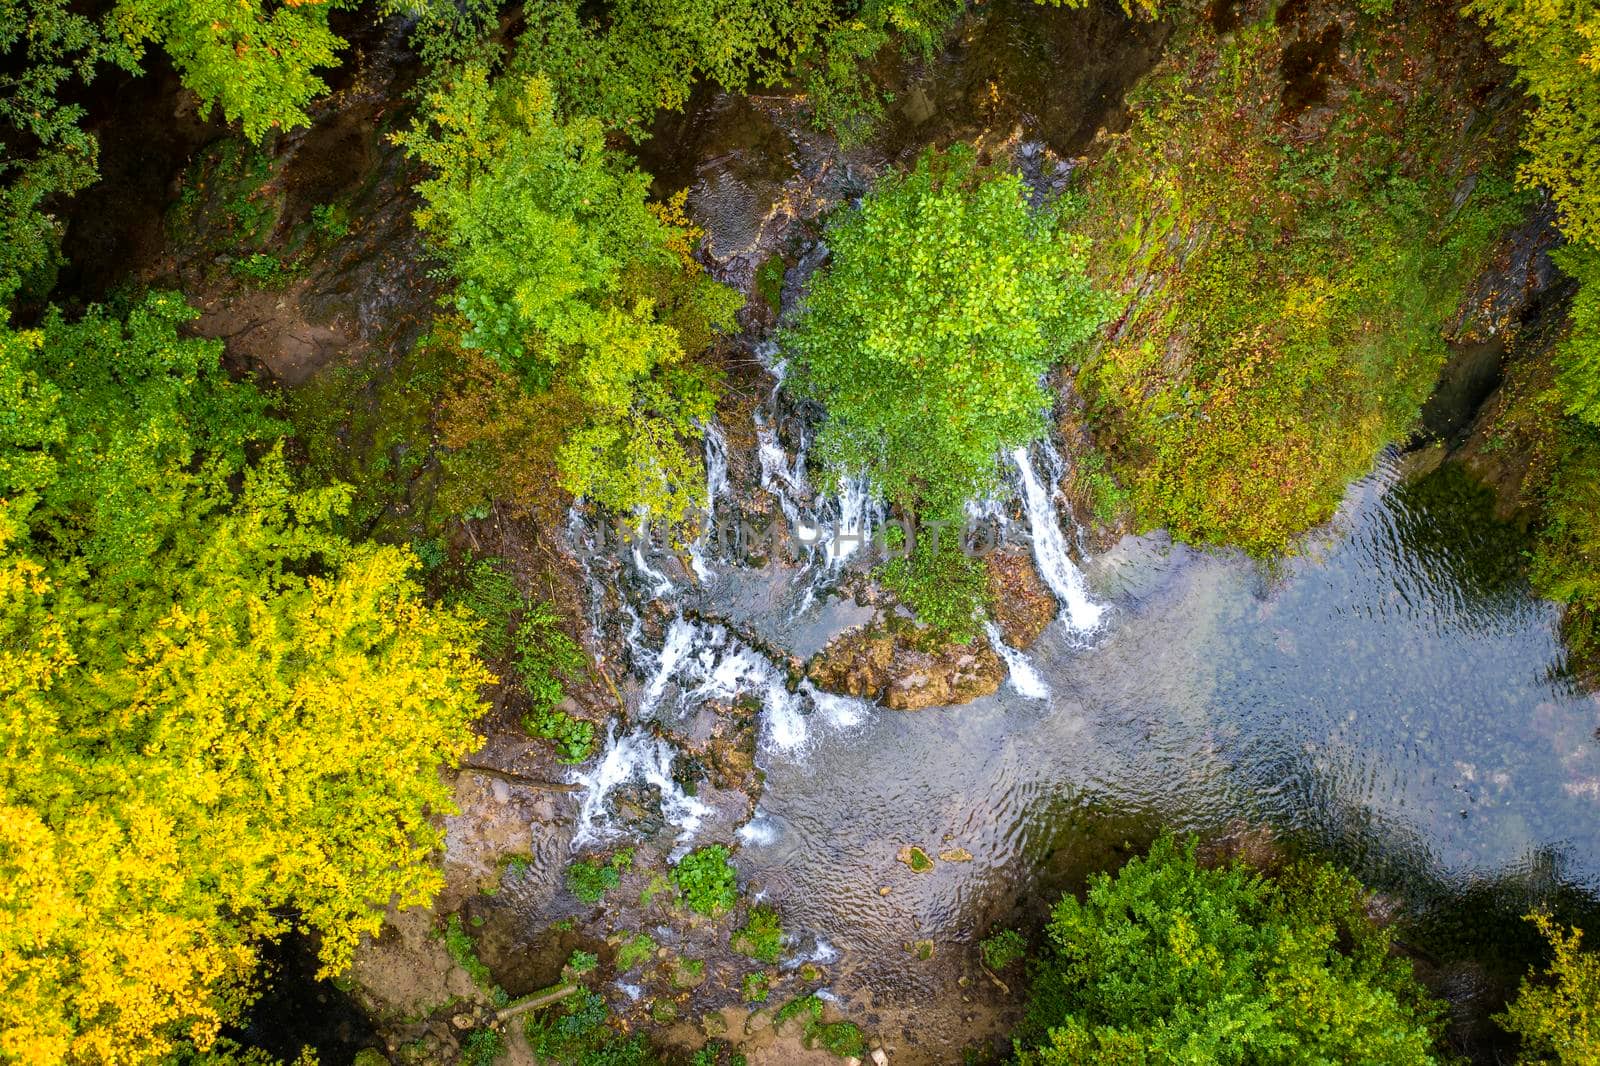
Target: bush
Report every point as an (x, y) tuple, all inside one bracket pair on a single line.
[(762, 936), (945, 300), (707, 881), (1558, 1018), (947, 588), (590, 881), (1170, 962)]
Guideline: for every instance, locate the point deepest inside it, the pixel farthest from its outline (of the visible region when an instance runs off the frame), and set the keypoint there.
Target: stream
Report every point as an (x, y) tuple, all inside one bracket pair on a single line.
[(1393, 696)]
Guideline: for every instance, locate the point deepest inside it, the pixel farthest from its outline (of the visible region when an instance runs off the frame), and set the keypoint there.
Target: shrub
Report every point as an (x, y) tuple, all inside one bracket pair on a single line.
[(583, 961), (1558, 1018), (947, 588), (1553, 48), (707, 881), (1001, 949), (590, 881), (762, 936), (1168, 961), (945, 300), (183, 633)]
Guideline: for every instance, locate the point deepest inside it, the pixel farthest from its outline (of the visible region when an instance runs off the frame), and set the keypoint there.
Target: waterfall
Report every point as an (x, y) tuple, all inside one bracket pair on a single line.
[(1050, 549), (636, 756), (716, 446), (1023, 677), (660, 584)]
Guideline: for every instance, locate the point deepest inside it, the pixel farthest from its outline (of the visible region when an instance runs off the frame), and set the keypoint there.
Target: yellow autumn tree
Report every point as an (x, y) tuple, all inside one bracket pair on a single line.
[(235, 728)]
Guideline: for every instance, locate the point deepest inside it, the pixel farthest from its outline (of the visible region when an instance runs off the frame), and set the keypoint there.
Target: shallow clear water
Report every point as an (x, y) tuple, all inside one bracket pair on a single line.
[(1393, 695)]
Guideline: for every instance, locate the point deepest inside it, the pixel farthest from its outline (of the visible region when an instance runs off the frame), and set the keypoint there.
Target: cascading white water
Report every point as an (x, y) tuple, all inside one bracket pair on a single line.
[(716, 448), (1050, 550), (660, 584), (1023, 677), (636, 756)]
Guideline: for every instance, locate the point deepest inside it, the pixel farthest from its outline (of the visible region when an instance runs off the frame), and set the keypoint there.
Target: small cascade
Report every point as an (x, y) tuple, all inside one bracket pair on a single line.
[(1050, 549), (716, 448), (636, 756), (852, 526), (659, 583), (1023, 677)]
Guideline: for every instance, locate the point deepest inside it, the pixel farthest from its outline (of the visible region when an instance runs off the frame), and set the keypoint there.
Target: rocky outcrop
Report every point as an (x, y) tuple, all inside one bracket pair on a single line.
[(893, 662), (1021, 604)]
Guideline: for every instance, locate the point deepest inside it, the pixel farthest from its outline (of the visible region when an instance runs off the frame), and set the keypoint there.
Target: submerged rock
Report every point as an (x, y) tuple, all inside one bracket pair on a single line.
[(894, 663)]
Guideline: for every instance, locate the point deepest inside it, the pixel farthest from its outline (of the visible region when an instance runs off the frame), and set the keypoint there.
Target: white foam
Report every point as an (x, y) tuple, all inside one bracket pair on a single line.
[(1022, 677), (638, 756)]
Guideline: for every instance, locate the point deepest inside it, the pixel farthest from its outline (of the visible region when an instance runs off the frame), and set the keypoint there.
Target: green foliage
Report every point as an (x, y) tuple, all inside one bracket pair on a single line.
[(1578, 356), (707, 881), (1283, 312), (1565, 566), (459, 943), (1554, 48), (755, 988), (482, 1047), (583, 961), (926, 335), (648, 55), (835, 69), (545, 655), (568, 277), (1167, 961), (47, 45), (262, 269), (590, 881), (639, 948), (1001, 949), (1558, 1018), (491, 594), (183, 633), (948, 588), (762, 936), (843, 1039), (579, 1036)]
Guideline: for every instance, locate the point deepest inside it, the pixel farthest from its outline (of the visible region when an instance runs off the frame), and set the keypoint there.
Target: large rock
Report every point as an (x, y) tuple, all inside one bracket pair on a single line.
[(893, 662), (1022, 604)]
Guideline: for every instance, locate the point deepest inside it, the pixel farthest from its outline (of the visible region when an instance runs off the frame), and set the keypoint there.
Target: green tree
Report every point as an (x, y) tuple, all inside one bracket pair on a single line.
[(945, 301), (571, 278), (1168, 961), (1558, 1016), (220, 718), (1555, 47)]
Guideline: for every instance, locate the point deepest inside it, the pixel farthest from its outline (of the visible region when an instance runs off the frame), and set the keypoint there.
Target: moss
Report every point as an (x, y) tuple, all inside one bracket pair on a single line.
[(1003, 948), (756, 987), (637, 949), (1284, 305), (762, 936), (915, 858)]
